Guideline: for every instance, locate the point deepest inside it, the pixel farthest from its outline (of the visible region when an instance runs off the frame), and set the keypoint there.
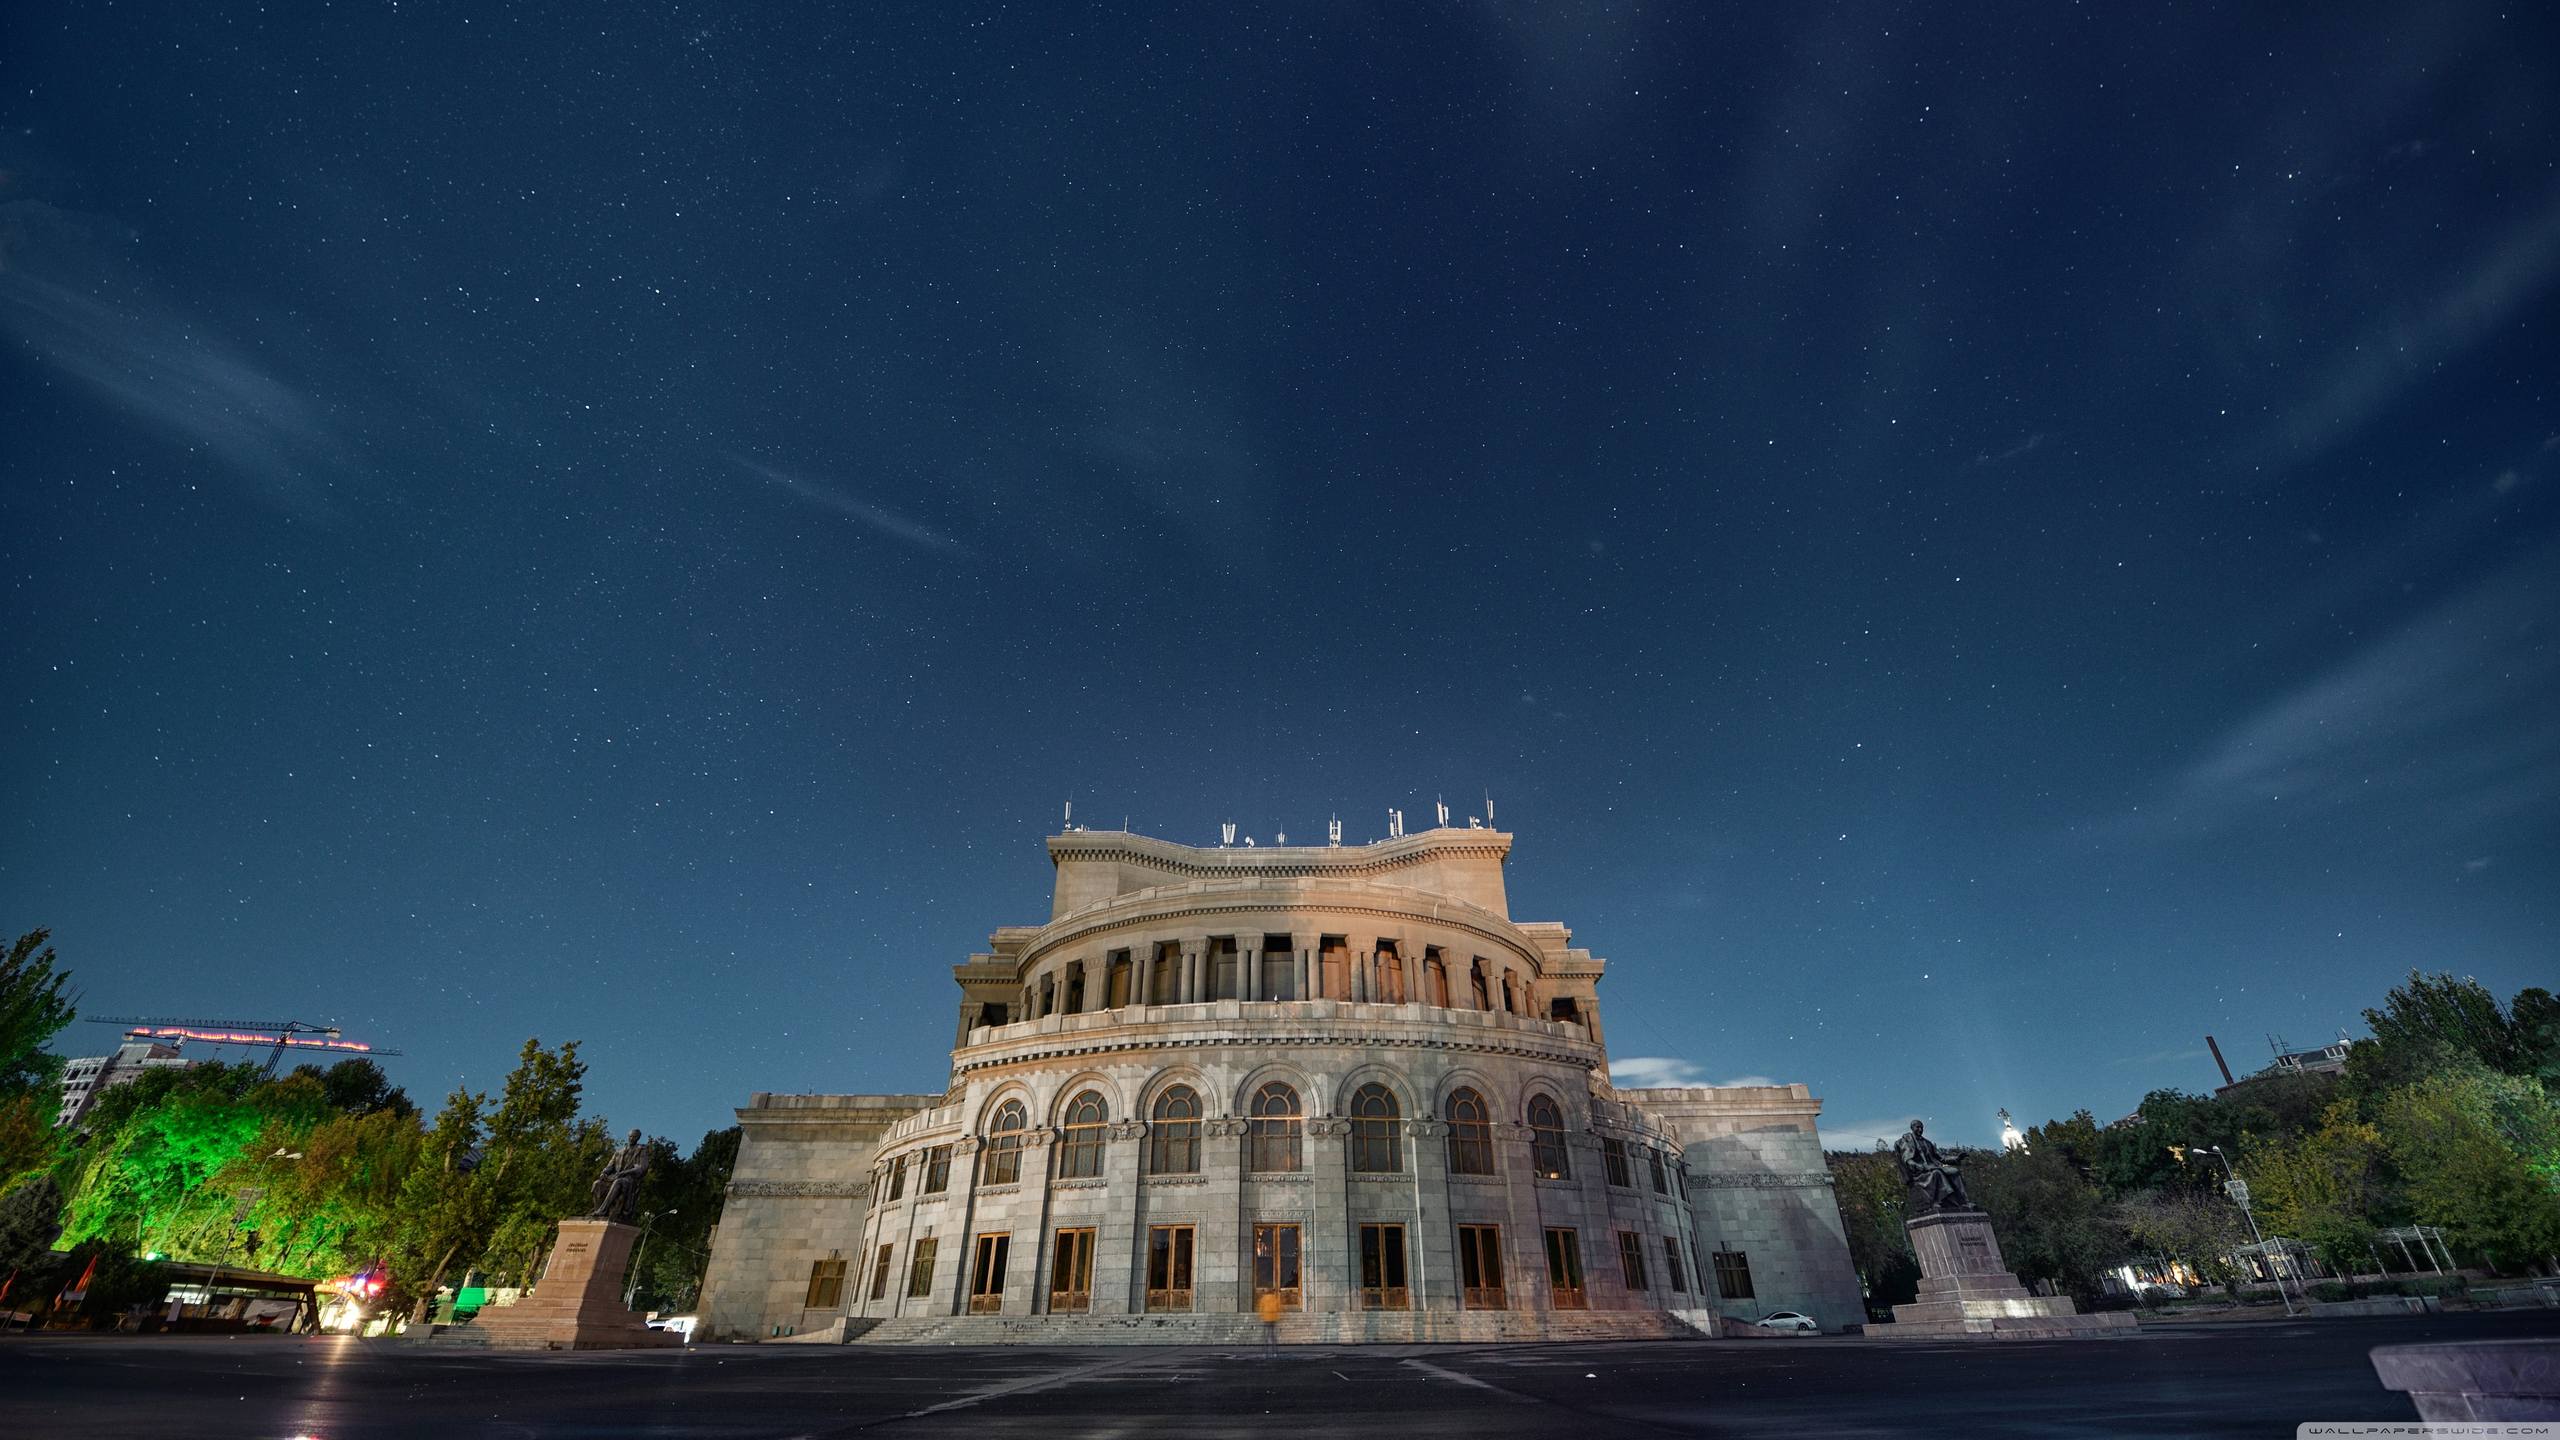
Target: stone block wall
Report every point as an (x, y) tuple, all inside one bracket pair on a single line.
[(798, 1196), (1758, 1185)]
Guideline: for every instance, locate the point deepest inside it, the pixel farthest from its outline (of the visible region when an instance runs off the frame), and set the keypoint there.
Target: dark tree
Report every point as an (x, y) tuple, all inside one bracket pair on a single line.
[(33, 1008)]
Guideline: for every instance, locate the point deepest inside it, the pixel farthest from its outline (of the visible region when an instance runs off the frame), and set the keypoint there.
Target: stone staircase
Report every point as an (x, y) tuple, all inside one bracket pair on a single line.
[(1355, 1327)]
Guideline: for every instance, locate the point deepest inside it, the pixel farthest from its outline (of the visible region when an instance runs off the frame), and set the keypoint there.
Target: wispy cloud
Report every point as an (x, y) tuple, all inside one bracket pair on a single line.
[(73, 294), (2160, 1057), (2423, 719), (1864, 1134), (886, 522), (1639, 1072), (2407, 348)]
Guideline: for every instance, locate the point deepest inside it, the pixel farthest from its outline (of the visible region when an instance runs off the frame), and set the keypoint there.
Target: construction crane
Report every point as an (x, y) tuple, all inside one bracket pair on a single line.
[(277, 1036)]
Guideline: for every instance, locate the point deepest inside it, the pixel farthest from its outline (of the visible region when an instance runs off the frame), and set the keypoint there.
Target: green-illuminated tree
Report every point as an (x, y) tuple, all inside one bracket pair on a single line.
[(33, 1008), (2479, 1153), (28, 1141), (2322, 1188)]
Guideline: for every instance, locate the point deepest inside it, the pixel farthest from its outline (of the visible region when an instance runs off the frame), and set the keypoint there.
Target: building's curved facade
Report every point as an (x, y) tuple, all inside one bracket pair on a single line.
[(1340, 1082)]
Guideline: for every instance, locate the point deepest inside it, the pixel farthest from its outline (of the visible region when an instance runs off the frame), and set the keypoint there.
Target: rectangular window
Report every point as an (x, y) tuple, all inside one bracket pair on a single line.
[(1661, 1172), (920, 1269), (986, 1274), (1613, 1156), (1671, 1265), (880, 1274), (898, 1178), (1631, 1260), (1382, 1284), (1480, 1267), (1275, 1264), (937, 1170), (826, 1282), (1071, 1273), (1733, 1274), (1169, 1267), (1564, 1270)]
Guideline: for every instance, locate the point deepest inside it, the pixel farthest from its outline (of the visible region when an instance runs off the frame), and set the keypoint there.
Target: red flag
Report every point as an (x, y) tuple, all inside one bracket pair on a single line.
[(8, 1285), (80, 1292)]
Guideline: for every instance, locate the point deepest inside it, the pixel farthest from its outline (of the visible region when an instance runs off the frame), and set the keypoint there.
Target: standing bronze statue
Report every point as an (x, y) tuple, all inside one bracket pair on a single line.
[(617, 1188), (1929, 1174)]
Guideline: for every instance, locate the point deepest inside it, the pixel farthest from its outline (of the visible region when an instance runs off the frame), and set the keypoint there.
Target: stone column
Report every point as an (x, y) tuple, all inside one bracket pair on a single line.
[(1359, 976), (1248, 969), (1115, 1249), (1327, 1262), (1142, 969), (1431, 1255), (1524, 1280), (1305, 962), (1191, 977)]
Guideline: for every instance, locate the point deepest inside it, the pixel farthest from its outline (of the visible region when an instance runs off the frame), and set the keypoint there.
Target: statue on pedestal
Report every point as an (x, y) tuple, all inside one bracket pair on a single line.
[(1934, 1181), (617, 1188)]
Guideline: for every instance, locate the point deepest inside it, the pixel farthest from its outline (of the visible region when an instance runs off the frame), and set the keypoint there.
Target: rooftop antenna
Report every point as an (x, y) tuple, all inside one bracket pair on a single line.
[(1444, 811), (1227, 834), (1488, 806), (1280, 837), (1333, 831), (1071, 812), (1395, 824)]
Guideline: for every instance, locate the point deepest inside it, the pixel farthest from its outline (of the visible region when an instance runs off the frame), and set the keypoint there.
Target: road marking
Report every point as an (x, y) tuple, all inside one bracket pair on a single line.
[(1427, 1368)]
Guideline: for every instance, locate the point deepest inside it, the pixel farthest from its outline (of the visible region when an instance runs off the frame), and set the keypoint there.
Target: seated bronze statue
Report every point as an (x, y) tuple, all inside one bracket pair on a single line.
[(1932, 1177)]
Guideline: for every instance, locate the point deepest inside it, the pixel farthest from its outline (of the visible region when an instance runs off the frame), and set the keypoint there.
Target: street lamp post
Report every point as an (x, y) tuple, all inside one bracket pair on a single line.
[(2238, 1190), (631, 1286)]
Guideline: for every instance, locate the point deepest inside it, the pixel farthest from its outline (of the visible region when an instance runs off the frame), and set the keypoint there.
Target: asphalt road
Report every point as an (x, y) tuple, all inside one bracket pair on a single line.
[(2257, 1379)]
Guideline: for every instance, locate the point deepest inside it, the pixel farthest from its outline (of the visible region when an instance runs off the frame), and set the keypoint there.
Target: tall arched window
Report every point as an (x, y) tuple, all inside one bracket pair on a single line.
[(1001, 1162), (1374, 1150), (1274, 1143), (1470, 1135), (1173, 1141), (1546, 1139), (1080, 1147)]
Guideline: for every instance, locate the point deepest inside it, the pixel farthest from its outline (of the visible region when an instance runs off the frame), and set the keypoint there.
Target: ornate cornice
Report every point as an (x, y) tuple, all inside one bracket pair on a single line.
[(1524, 1050), (800, 1189), (1805, 1179)]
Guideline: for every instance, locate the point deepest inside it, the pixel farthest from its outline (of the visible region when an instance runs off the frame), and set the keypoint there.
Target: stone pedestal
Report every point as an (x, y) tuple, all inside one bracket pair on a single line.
[(1967, 1291), (578, 1304)]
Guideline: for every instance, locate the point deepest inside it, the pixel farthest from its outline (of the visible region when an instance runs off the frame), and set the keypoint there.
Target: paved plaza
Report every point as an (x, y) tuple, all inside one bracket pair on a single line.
[(2255, 1379)]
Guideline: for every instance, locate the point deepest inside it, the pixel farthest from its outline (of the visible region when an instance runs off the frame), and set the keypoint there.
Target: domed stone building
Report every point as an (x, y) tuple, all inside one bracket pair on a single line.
[(1338, 1085)]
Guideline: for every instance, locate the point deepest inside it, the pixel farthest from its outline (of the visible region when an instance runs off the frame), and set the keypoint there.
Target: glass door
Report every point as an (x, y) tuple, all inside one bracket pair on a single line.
[(1275, 1264), (1480, 1267), (1564, 1270), (1169, 1267), (1382, 1284), (986, 1274), (1071, 1273)]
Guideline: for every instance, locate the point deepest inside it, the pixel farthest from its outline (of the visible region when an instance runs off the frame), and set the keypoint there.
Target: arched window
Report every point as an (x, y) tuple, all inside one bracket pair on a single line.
[(1546, 1139), (1173, 1141), (1470, 1135), (1080, 1147), (1374, 1150), (1274, 1142), (1001, 1162)]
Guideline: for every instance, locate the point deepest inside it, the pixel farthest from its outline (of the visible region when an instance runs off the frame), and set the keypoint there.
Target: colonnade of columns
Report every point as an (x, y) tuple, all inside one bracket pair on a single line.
[(1195, 972)]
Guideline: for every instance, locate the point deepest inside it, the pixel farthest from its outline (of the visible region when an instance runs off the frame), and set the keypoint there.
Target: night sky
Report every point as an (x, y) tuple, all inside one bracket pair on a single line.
[(1971, 550)]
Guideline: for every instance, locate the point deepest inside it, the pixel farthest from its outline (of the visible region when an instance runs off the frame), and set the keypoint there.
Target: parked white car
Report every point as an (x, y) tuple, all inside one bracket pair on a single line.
[(1787, 1320), (679, 1325)]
